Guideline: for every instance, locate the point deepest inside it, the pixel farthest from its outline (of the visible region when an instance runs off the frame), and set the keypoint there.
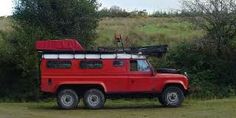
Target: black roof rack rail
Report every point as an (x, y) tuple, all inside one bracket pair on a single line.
[(157, 51)]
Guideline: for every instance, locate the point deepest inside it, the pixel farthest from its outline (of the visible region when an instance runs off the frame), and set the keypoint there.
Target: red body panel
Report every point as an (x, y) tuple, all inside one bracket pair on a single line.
[(112, 79)]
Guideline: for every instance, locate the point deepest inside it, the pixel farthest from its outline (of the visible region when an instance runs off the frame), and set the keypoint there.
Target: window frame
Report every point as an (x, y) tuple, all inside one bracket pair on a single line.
[(69, 62), (89, 68)]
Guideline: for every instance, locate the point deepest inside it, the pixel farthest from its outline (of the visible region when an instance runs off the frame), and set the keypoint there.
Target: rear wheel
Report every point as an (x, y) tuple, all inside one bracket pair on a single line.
[(94, 99), (172, 96), (67, 99)]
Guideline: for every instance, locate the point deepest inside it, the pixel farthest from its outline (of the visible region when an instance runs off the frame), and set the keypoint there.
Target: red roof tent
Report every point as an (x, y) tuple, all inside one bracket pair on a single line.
[(59, 45)]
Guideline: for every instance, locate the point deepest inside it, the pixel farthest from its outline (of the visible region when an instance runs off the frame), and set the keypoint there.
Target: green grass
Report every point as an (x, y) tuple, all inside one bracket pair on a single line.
[(5, 24), (146, 31), (141, 31), (220, 108)]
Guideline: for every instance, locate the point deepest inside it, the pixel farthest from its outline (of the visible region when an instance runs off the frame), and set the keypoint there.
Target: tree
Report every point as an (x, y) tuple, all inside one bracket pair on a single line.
[(114, 11), (59, 18), (36, 20), (210, 60), (217, 18)]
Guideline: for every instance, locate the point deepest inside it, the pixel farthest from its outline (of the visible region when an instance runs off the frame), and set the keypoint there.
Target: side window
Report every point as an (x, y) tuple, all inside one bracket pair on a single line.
[(139, 65), (91, 64), (59, 64), (118, 63)]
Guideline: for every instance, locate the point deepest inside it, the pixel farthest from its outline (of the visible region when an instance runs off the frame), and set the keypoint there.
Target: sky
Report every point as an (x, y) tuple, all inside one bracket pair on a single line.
[(149, 5), (6, 6)]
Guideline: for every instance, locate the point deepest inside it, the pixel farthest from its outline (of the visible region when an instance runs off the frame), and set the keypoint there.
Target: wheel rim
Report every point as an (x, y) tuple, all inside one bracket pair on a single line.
[(93, 100), (172, 98), (67, 100)]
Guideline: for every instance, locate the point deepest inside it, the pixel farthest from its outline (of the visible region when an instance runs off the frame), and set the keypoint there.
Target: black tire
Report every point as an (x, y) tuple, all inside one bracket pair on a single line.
[(172, 96), (161, 101), (94, 99), (67, 99)]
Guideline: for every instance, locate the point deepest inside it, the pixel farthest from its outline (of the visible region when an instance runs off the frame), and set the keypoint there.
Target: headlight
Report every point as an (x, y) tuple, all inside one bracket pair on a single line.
[(186, 74)]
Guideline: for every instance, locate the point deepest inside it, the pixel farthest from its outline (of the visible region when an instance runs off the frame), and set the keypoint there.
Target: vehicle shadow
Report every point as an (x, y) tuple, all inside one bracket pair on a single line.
[(125, 107), (134, 107)]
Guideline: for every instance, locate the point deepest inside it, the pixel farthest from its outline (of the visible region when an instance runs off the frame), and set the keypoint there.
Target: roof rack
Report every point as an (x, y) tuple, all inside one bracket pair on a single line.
[(71, 46), (158, 51)]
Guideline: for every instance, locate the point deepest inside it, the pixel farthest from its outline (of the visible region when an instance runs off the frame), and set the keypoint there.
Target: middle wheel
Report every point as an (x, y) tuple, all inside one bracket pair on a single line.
[(94, 99)]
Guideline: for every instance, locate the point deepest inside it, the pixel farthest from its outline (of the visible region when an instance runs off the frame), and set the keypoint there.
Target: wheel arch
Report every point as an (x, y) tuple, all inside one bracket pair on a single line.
[(175, 84), (81, 88)]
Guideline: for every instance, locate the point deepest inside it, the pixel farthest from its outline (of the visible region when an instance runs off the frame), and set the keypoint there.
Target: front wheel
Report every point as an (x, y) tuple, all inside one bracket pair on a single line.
[(160, 100), (94, 99), (172, 97), (67, 99)]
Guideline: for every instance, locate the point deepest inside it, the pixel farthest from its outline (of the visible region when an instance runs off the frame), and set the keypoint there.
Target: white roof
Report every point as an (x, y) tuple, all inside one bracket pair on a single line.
[(92, 56)]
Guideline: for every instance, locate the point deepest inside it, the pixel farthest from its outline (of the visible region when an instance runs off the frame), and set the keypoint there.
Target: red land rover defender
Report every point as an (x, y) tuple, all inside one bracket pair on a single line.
[(71, 73)]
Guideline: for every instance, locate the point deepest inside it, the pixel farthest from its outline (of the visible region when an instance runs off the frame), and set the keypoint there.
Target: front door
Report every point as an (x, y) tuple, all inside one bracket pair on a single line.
[(140, 76)]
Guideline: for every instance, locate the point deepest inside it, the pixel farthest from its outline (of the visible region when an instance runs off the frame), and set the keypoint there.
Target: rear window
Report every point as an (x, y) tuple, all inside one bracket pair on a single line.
[(91, 64), (59, 64), (118, 63)]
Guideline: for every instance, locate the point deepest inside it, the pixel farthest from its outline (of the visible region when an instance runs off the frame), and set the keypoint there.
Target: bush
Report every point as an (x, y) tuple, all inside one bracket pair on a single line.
[(211, 76)]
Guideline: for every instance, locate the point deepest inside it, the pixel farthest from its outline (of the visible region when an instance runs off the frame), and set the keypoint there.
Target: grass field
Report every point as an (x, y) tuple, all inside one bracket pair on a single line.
[(5, 24), (140, 30), (146, 31), (221, 108)]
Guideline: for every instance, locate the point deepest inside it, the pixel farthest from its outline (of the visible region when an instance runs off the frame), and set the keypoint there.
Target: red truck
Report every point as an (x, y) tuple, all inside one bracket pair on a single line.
[(71, 73)]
